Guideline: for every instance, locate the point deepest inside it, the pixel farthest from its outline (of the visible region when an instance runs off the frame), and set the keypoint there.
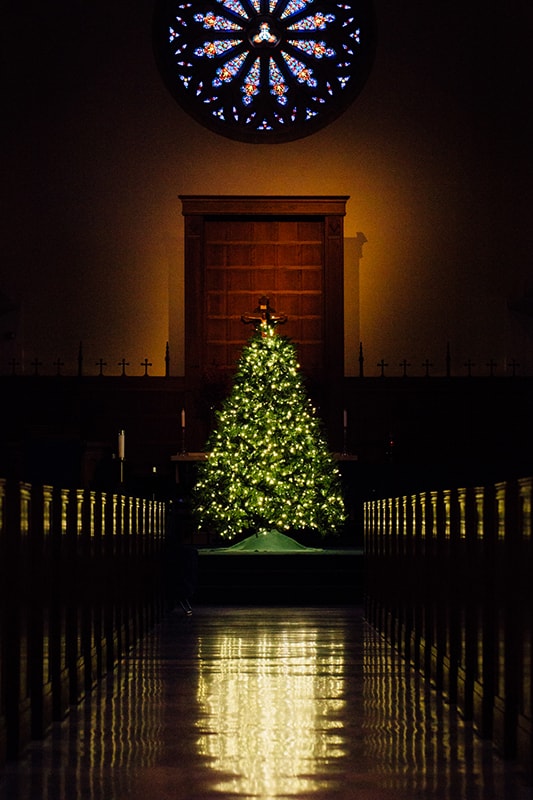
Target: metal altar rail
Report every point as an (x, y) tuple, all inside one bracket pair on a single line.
[(449, 583), (79, 585)]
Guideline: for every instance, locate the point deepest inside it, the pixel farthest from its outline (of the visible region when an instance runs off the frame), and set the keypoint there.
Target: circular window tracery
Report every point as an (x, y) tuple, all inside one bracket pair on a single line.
[(264, 70)]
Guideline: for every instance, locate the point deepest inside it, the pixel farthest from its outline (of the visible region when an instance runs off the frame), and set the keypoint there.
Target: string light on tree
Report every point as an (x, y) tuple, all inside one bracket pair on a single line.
[(268, 465)]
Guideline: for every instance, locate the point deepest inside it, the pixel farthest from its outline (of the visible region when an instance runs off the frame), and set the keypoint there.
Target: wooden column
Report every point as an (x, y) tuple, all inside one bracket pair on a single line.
[(59, 598), (16, 620), (484, 683), (3, 608), (71, 577), (510, 619), (40, 597), (467, 566), (453, 592), (524, 732)]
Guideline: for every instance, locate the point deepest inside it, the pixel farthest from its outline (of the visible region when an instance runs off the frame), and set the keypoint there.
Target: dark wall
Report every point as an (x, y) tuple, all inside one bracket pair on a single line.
[(435, 155), (406, 432)]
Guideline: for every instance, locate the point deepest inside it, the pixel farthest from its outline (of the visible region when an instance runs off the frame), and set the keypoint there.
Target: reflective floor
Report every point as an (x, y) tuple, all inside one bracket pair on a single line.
[(263, 703)]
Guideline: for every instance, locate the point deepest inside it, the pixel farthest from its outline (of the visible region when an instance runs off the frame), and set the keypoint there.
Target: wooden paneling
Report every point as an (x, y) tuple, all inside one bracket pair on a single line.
[(238, 249), (248, 258)]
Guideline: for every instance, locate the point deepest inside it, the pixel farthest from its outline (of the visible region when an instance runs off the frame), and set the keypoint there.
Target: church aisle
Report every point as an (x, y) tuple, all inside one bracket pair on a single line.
[(262, 703)]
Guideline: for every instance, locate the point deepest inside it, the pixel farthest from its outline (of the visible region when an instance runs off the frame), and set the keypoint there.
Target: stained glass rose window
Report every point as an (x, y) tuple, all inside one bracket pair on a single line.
[(264, 70)]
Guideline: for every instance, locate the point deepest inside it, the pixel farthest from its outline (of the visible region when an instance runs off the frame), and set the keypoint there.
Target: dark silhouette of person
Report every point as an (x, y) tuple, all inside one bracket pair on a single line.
[(181, 560)]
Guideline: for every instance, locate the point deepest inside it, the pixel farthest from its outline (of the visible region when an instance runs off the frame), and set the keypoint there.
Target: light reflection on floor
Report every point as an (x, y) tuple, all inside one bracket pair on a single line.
[(276, 700), (263, 703)]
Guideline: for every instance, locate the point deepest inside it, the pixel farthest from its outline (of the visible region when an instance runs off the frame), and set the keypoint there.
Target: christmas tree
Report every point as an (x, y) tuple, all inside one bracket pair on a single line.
[(268, 466)]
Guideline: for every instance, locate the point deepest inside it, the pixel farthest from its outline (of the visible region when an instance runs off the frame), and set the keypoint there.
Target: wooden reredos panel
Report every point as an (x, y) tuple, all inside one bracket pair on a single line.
[(240, 248)]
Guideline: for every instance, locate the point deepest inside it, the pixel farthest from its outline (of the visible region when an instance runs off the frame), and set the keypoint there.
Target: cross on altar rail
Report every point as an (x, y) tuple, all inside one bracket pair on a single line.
[(469, 364), (513, 365), (427, 364), (491, 365)]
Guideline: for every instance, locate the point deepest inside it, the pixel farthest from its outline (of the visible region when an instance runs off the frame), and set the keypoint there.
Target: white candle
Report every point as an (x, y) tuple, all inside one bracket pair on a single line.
[(345, 418), (182, 417), (121, 444)]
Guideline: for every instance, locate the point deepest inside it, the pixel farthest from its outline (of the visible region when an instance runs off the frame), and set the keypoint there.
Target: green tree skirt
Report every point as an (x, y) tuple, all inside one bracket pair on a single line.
[(268, 541)]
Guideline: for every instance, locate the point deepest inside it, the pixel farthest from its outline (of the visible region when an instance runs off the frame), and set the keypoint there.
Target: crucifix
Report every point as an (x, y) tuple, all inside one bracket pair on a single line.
[(264, 313)]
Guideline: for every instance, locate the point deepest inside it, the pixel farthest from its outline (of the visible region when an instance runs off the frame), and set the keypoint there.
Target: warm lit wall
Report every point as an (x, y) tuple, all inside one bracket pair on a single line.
[(434, 155)]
